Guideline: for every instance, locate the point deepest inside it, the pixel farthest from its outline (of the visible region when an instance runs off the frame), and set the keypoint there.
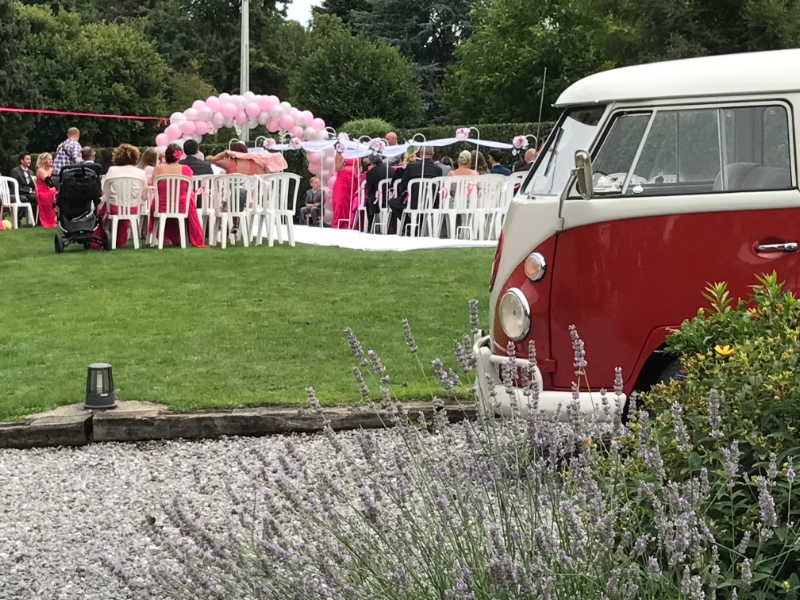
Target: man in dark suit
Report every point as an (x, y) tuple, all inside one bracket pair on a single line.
[(26, 181), (198, 167), (422, 167)]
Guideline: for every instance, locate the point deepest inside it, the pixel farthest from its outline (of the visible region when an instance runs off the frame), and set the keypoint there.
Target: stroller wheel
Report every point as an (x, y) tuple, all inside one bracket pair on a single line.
[(59, 242), (87, 245), (106, 241)]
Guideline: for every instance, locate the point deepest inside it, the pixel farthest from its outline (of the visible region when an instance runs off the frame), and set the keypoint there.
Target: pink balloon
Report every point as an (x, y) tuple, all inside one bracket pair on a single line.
[(229, 110), (162, 139), (274, 125), (252, 110), (173, 132), (297, 132), (201, 128), (263, 118), (188, 128), (287, 122), (241, 118), (190, 114), (217, 119), (198, 105), (314, 157), (266, 102), (213, 103), (318, 124), (331, 181)]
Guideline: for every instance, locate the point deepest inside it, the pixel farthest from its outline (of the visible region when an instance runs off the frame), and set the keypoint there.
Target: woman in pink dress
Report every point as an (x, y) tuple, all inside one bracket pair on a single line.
[(358, 197), (347, 171), (171, 166), (45, 195)]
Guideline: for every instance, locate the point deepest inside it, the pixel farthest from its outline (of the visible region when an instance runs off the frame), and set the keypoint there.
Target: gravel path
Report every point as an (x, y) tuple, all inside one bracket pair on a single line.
[(62, 508)]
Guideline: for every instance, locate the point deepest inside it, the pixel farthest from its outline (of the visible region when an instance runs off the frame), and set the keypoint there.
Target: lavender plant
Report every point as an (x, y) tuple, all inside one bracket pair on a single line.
[(522, 506)]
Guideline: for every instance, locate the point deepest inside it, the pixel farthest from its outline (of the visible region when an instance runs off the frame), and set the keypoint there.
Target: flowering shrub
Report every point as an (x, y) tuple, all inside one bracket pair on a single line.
[(528, 506), (735, 415)]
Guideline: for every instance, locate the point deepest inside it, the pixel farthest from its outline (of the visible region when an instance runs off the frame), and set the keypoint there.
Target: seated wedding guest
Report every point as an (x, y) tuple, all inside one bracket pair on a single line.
[(309, 214), (232, 161), (197, 165), (519, 166), (106, 160), (45, 191), (408, 196), (495, 156), (482, 168), (214, 168), (147, 162), (446, 168), (125, 158), (464, 161), (88, 155), (171, 166), (530, 158), (375, 175), (26, 185)]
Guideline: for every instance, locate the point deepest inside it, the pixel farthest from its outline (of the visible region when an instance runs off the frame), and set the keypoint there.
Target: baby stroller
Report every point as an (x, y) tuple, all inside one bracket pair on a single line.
[(78, 187)]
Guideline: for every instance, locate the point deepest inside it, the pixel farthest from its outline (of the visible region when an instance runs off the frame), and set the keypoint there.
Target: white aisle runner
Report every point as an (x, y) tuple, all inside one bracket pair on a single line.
[(355, 240)]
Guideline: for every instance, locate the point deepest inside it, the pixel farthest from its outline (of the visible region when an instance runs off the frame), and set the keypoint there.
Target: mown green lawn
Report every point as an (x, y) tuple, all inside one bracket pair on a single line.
[(207, 328)]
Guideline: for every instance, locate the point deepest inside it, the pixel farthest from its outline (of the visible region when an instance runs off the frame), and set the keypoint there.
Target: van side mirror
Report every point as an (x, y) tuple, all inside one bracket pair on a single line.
[(583, 174)]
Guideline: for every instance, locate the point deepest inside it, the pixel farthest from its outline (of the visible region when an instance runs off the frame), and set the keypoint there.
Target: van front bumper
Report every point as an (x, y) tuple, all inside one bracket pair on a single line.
[(493, 396)]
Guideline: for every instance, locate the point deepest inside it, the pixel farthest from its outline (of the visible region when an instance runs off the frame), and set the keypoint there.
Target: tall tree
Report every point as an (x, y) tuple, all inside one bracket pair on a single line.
[(103, 68), (500, 71), (343, 9), (206, 35), (349, 77), (17, 87), (427, 32)]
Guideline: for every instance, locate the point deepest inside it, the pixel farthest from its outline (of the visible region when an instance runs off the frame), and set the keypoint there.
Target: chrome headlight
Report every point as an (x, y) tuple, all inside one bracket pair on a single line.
[(515, 314), (535, 266)]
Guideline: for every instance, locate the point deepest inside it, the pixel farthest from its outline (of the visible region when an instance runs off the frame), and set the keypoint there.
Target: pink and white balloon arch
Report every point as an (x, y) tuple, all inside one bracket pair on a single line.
[(250, 110)]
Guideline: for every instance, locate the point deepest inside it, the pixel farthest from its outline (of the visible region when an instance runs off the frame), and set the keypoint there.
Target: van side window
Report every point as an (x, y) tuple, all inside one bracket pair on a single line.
[(695, 151)]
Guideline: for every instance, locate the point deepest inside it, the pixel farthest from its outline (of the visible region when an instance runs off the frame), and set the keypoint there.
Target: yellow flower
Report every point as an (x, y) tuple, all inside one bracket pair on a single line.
[(725, 350), (590, 443), (787, 586)]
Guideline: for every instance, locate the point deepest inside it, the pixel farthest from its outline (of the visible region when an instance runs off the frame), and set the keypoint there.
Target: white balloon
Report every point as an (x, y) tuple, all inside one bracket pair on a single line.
[(310, 134), (177, 118), (240, 102), (217, 119), (263, 118), (228, 122), (190, 114), (299, 118), (223, 98), (286, 106), (276, 112), (197, 138), (249, 96), (205, 113), (252, 123)]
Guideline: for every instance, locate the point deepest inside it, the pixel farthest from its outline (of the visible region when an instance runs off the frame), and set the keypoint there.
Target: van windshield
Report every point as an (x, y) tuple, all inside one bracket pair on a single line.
[(575, 131)]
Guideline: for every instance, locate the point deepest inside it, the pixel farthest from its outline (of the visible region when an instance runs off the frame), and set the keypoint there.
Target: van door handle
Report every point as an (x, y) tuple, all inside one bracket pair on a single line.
[(784, 247)]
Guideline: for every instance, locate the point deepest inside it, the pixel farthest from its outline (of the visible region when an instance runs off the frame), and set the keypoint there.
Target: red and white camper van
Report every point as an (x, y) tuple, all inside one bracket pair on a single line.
[(657, 180)]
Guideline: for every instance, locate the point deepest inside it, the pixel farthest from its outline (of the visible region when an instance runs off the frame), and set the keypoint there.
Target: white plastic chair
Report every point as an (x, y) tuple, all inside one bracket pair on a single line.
[(127, 194), (455, 198), (9, 196), (490, 188), (173, 185), (361, 213), (226, 191), (415, 219), (433, 208), (201, 185), (263, 197), (282, 203), (381, 220)]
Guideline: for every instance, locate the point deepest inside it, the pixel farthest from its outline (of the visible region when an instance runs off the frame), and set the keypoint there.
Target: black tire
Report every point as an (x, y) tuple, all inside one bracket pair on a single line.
[(87, 245), (59, 243), (674, 371), (106, 241)]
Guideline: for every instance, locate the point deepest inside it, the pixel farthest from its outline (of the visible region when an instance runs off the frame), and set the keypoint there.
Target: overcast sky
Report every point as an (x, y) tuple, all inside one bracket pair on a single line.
[(300, 10)]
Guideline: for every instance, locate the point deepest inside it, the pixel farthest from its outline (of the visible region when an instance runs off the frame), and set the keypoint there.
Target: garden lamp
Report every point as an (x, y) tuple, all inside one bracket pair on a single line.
[(99, 387)]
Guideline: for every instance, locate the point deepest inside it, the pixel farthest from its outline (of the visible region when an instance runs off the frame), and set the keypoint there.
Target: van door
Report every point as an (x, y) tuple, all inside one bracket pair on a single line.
[(684, 196)]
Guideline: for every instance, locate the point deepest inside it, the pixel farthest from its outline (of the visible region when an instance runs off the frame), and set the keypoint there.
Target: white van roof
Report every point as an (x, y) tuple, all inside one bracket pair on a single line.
[(732, 74)]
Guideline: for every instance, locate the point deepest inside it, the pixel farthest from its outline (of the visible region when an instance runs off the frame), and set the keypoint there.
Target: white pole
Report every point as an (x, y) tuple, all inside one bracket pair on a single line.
[(244, 77)]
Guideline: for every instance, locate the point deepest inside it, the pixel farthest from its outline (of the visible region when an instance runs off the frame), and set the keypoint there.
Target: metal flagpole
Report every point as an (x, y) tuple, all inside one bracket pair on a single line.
[(244, 77)]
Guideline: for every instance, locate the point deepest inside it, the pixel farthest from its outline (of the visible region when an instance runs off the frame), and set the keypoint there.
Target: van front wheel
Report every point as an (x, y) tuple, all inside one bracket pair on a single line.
[(674, 371)]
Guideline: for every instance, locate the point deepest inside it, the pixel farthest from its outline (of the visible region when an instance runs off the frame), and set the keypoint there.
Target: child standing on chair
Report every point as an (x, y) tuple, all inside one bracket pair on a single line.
[(309, 214)]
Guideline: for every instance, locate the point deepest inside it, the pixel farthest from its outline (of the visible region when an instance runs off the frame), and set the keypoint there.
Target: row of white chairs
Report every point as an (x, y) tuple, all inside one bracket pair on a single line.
[(458, 207), (10, 198), (230, 207)]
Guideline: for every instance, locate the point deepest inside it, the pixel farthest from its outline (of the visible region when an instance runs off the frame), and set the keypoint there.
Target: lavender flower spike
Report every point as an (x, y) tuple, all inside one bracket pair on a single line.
[(790, 474), (714, 418), (412, 345), (355, 345), (580, 363), (681, 433), (618, 383), (474, 320)]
